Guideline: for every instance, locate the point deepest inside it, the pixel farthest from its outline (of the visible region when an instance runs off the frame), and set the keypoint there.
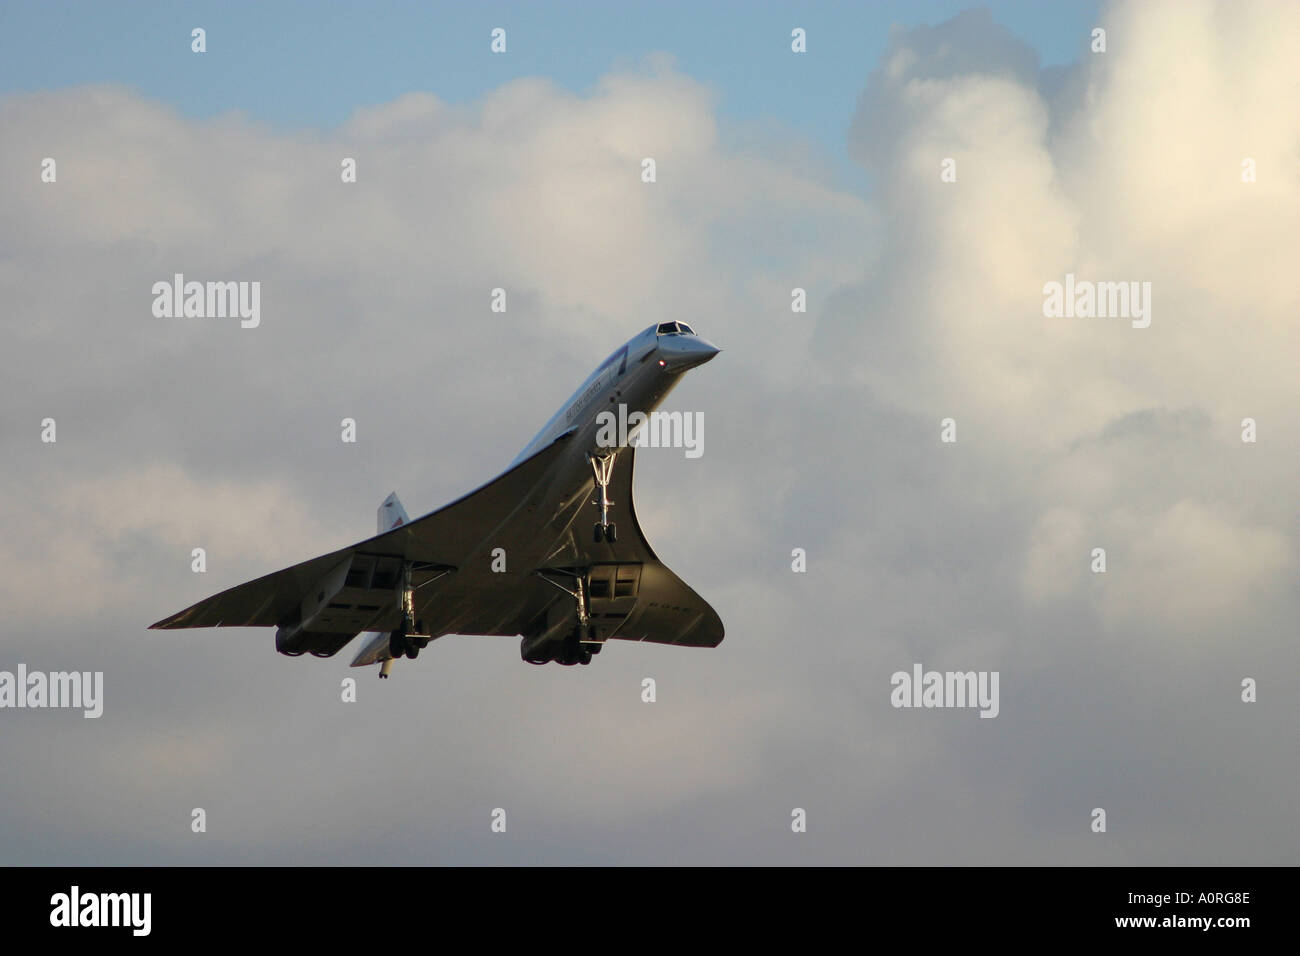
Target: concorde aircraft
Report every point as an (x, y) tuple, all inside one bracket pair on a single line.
[(535, 552)]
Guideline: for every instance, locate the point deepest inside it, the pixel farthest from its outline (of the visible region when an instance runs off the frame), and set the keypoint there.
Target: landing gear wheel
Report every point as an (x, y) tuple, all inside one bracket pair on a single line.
[(611, 532), (412, 651), (598, 532), (396, 644)]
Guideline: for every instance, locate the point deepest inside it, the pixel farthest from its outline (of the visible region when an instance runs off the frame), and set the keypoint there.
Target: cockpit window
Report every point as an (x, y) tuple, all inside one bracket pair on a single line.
[(685, 328), (674, 328)]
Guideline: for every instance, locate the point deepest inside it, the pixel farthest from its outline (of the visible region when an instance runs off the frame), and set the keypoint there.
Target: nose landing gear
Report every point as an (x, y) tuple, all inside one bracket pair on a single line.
[(602, 470)]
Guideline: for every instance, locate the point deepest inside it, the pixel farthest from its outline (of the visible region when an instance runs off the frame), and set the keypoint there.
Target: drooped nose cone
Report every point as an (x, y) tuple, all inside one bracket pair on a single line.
[(681, 352)]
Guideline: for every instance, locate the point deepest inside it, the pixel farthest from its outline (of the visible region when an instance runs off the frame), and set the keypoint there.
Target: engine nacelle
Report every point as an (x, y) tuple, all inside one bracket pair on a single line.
[(297, 635), (558, 643), (294, 641), (548, 645)]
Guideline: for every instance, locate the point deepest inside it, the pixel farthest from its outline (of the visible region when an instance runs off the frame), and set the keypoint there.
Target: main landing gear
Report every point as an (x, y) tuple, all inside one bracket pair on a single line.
[(573, 648), (602, 469), (406, 640)]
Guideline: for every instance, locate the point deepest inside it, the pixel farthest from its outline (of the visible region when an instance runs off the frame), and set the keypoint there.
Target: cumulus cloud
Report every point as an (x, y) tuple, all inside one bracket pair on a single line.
[(1137, 176)]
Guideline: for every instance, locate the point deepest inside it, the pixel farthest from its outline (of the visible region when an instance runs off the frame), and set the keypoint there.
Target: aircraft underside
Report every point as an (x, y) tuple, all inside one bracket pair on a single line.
[(534, 553)]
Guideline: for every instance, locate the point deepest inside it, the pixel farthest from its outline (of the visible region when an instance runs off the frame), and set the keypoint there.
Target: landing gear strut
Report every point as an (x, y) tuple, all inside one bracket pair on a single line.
[(602, 470), (406, 640), (575, 648)]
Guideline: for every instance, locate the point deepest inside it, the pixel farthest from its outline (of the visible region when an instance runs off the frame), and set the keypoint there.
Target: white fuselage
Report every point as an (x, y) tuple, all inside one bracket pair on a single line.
[(638, 375)]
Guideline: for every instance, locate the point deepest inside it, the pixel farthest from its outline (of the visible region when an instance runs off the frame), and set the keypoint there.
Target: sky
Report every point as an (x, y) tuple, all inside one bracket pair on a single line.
[(310, 65), (924, 172)]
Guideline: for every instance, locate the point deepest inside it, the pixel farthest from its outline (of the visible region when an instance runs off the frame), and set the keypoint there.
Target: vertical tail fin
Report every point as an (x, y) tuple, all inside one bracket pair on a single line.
[(391, 514)]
